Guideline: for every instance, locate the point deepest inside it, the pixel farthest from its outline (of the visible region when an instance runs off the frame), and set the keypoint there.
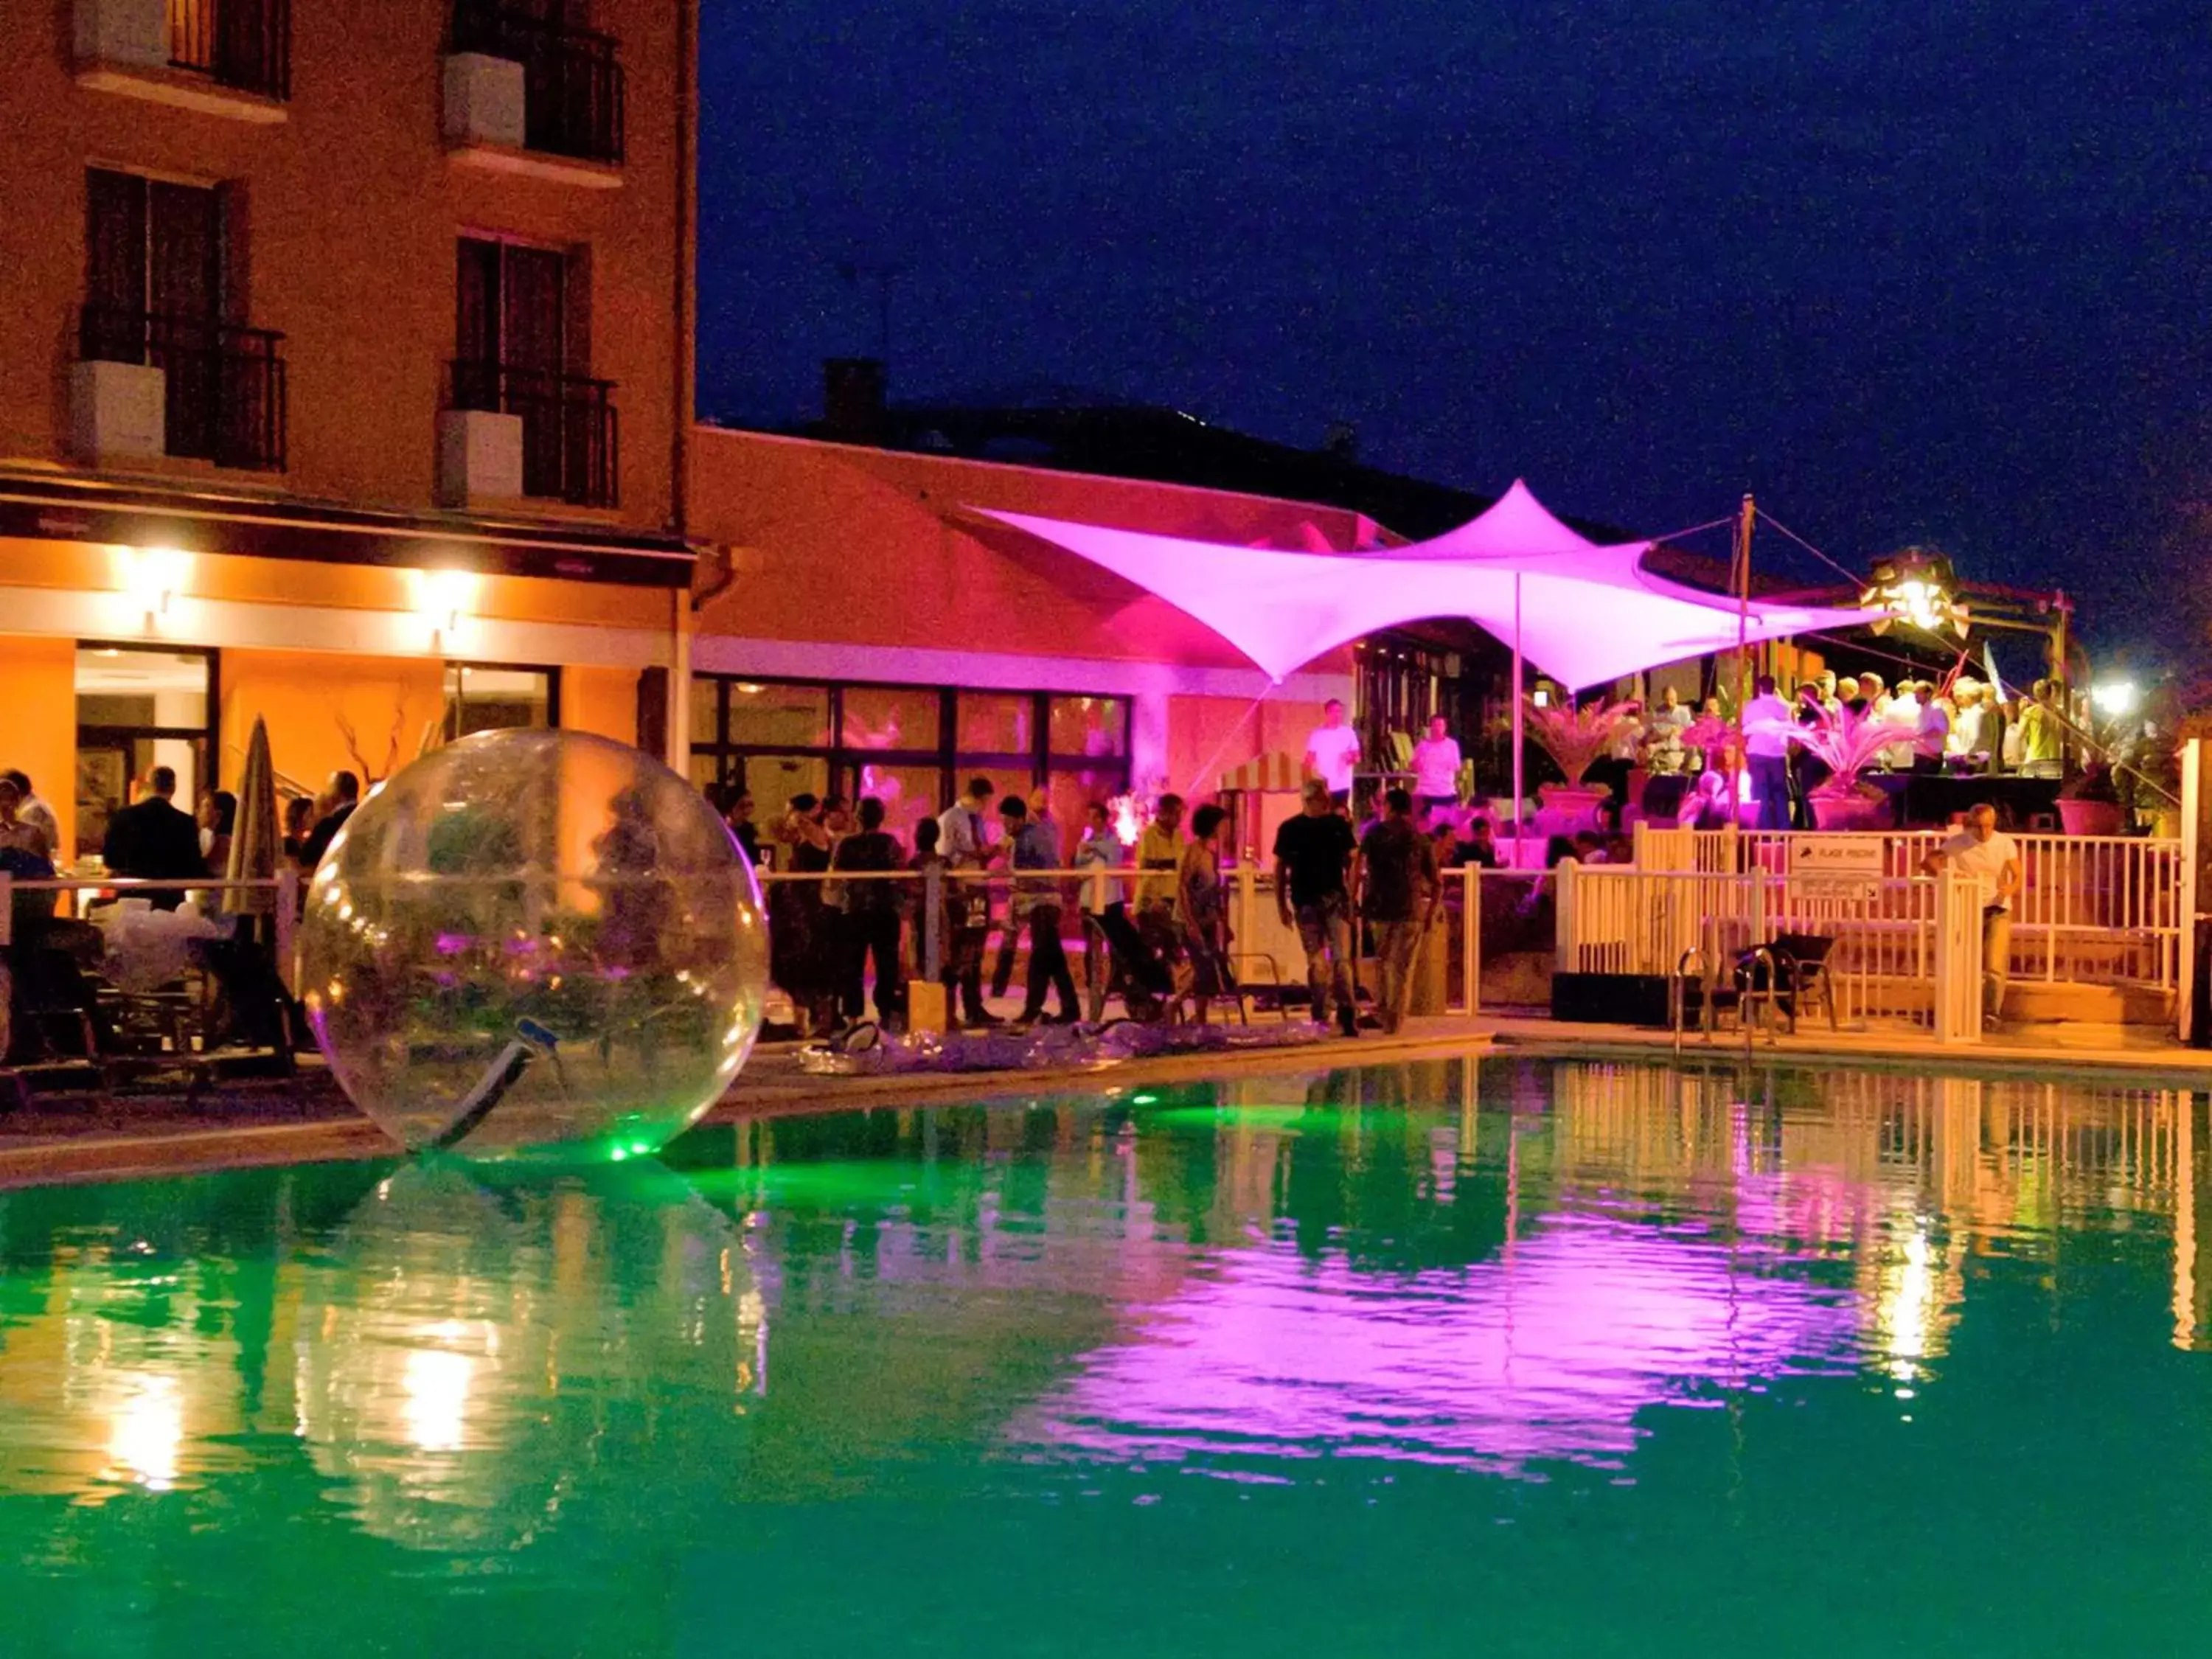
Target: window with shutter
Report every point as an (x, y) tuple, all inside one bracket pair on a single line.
[(157, 259), (516, 325)]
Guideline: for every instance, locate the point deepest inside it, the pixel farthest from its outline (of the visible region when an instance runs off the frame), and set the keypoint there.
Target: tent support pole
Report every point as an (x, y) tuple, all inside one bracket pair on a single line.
[(1742, 583), (1520, 793), (1742, 574)]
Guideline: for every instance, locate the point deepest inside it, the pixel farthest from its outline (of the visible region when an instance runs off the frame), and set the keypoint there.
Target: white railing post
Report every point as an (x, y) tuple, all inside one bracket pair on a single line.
[(2189, 902), (2052, 896), (1470, 933), (1563, 912), (1247, 900), (1957, 982)]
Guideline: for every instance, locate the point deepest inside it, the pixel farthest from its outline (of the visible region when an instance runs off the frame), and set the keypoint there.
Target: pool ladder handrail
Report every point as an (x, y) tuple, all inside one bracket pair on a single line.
[(1746, 1004), (1678, 995)]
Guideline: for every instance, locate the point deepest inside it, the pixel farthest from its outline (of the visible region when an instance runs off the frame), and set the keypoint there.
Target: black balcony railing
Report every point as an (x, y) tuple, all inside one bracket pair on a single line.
[(572, 85), (569, 428), (223, 384), (246, 44)]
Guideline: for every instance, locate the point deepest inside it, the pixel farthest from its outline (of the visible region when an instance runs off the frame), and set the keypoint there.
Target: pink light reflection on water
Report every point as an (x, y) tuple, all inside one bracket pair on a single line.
[(1491, 1367)]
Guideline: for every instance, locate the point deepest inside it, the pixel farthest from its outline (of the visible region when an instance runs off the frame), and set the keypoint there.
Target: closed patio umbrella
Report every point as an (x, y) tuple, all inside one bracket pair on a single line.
[(256, 837), (253, 984)]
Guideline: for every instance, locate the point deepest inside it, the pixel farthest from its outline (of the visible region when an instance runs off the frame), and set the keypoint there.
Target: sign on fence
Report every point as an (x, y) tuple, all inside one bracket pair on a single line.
[(1836, 866)]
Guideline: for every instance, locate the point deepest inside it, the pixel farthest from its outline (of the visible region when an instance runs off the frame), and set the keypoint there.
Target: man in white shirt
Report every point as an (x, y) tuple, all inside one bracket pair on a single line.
[(1992, 859), (1332, 752), (1969, 727), (1901, 713), (1436, 768), (1934, 731), (962, 838), (1767, 729)]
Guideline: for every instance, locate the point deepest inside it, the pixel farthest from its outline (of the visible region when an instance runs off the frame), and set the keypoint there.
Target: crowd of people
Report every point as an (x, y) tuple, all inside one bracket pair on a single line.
[(1965, 728), (151, 838), (1006, 867)]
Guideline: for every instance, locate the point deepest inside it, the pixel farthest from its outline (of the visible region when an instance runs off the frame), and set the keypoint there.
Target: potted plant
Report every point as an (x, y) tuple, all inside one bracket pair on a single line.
[(2149, 783), (1847, 745), (2089, 805), (1575, 739)]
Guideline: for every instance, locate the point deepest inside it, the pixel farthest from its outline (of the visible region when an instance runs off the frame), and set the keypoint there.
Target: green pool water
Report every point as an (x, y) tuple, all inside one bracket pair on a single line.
[(1462, 1358)]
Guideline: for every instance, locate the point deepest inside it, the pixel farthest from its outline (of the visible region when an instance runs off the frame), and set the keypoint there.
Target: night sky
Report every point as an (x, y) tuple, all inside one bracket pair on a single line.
[(1934, 271)]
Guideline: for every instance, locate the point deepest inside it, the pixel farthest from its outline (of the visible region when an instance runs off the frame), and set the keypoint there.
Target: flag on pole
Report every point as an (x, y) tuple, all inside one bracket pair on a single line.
[(1989, 667)]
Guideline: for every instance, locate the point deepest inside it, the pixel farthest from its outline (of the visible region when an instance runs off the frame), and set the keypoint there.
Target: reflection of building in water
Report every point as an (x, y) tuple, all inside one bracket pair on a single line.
[(1914, 1173), (1495, 1365), (123, 1373), (1484, 1263), (461, 1361)]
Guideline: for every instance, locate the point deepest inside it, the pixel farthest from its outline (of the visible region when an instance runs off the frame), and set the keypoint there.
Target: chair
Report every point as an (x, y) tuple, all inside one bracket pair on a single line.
[(1785, 975), (1714, 994), (1801, 962), (54, 1033)]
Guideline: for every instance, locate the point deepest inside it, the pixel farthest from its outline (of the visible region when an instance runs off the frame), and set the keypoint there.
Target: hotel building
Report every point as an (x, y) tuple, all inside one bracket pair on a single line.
[(345, 380)]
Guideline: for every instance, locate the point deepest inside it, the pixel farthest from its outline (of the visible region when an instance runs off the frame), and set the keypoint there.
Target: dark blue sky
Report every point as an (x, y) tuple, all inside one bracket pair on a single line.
[(1931, 272)]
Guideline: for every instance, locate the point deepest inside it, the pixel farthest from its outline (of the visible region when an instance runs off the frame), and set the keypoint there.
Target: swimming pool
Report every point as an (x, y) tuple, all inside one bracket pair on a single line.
[(1497, 1357)]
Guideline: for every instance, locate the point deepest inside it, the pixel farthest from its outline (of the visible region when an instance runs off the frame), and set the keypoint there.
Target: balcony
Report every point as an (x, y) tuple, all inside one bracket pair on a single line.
[(230, 57), (222, 391), (568, 427), (569, 124)]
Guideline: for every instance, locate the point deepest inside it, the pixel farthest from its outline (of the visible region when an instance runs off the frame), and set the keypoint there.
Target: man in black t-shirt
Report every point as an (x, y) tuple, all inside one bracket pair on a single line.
[(872, 917), (1399, 890), (1313, 851)]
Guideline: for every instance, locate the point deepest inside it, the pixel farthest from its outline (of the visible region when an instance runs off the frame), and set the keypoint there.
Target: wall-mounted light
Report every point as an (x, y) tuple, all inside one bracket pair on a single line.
[(151, 578), (445, 598)]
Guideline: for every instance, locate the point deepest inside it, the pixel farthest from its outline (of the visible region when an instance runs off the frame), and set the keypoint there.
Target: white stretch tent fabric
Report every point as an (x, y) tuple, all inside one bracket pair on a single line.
[(1588, 612), (1581, 613), (1281, 610)]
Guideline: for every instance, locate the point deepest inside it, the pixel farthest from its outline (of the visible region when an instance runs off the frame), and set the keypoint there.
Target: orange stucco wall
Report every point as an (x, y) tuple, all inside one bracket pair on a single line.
[(38, 688), (601, 700), (351, 211), (308, 698), (834, 543)]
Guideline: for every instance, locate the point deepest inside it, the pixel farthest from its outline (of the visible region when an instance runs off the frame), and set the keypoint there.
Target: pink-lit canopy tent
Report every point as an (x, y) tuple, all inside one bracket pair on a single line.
[(1582, 612), (1587, 612)]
